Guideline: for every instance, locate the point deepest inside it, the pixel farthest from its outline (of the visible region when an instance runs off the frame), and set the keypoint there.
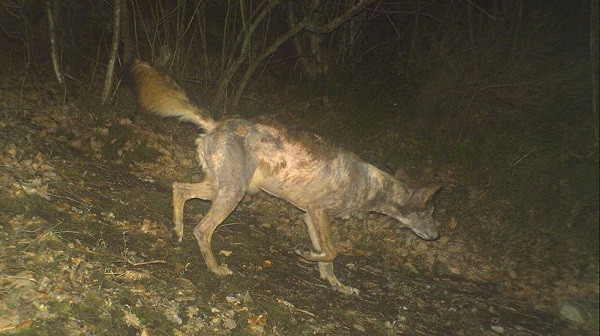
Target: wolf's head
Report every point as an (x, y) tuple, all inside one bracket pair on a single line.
[(411, 205), (417, 213)]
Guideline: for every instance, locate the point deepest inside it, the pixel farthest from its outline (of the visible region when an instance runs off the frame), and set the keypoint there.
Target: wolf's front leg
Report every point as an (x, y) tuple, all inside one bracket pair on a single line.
[(319, 231), (323, 250)]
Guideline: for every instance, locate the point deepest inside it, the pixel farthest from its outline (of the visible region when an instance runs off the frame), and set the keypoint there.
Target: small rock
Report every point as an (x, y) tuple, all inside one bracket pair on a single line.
[(359, 327), (571, 311), (225, 253), (232, 300), (43, 284), (229, 324), (498, 329)]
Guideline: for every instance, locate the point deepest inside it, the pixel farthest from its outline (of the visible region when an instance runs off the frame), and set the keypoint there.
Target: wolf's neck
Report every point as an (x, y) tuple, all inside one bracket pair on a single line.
[(384, 188)]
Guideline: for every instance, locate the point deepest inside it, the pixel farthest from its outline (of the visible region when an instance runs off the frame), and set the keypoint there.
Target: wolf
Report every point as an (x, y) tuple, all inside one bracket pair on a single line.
[(242, 156)]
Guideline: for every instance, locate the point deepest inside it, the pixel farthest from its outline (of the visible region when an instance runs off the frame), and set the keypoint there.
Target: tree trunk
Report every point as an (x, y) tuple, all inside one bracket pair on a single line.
[(53, 48), (594, 26), (126, 31), (113, 51)]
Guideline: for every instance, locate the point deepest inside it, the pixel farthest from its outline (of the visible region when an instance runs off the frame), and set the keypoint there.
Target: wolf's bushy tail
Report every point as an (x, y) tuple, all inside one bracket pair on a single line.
[(158, 93)]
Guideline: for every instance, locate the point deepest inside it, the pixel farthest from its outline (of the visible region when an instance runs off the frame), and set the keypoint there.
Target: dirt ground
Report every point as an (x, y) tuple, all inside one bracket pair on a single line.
[(85, 247)]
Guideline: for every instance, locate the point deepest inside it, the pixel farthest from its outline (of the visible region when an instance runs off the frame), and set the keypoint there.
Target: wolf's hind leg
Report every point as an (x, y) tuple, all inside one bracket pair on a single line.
[(223, 204), (183, 192)]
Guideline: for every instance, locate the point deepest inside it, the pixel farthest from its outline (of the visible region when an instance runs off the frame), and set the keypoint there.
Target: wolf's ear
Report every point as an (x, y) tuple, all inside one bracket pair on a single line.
[(422, 196), (402, 176)]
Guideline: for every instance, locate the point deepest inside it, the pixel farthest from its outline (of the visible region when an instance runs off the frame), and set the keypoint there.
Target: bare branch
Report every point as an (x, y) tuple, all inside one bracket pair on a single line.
[(332, 25)]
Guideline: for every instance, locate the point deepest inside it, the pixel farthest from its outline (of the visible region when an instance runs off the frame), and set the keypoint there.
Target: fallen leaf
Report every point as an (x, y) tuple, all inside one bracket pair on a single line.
[(453, 223), (131, 319), (225, 253), (257, 324)]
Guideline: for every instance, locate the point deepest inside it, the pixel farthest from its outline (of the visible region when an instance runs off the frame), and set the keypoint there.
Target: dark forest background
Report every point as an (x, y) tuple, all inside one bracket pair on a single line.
[(497, 99)]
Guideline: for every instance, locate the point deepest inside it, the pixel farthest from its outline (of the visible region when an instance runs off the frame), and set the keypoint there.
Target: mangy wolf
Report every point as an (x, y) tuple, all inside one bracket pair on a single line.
[(240, 156)]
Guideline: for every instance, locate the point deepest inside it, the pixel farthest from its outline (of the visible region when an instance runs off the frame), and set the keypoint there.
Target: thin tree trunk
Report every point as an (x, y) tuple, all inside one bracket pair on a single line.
[(126, 31), (517, 25), (113, 51), (594, 25), (297, 41), (266, 53), (307, 24), (415, 34), (53, 48), (234, 63)]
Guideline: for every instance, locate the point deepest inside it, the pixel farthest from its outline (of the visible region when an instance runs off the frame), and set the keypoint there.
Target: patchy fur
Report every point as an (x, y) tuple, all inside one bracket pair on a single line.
[(241, 156)]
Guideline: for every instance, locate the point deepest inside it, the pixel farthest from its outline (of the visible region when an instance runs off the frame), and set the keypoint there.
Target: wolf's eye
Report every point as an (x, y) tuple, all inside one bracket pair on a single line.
[(428, 212)]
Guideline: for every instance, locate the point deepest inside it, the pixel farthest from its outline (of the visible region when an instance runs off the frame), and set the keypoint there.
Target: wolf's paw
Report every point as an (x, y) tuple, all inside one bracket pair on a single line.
[(312, 255), (222, 271), (176, 237), (304, 251), (347, 290)]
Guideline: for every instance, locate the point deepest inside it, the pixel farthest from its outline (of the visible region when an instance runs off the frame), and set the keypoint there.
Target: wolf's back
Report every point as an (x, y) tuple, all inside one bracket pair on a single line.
[(160, 94)]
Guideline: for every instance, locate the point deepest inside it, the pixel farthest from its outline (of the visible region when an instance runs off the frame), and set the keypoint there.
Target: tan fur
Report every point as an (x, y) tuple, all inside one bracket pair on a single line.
[(161, 95)]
